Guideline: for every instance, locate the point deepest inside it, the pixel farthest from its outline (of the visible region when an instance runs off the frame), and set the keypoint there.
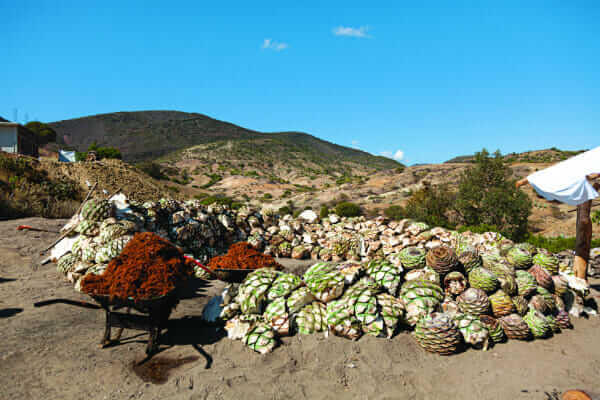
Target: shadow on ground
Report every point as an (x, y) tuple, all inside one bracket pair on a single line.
[(194, 289), (9, 312)]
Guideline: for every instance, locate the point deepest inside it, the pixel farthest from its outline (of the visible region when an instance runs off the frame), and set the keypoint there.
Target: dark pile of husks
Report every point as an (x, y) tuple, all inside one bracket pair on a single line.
[(243, 256), (148, 267)]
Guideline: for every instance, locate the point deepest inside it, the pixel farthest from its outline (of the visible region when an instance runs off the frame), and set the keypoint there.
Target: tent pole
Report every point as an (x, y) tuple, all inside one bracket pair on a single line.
[(583, 240)]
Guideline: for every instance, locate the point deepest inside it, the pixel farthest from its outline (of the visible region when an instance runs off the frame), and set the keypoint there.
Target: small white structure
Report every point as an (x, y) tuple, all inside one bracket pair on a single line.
[(9, 132), (66, 156)]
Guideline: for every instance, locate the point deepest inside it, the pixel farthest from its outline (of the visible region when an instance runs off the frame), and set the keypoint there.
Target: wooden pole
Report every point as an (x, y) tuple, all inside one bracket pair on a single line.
[(521, 182), (583, 240)]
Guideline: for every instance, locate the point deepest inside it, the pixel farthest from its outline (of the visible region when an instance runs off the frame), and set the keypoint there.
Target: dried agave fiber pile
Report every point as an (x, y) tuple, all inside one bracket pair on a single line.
[(451, 296)]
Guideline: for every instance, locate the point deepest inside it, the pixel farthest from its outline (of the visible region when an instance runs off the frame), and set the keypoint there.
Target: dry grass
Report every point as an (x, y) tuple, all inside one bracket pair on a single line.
[(18, 205)]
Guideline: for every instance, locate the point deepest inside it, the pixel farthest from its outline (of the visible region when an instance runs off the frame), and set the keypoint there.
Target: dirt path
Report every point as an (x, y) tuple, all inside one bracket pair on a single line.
[(52, 353)]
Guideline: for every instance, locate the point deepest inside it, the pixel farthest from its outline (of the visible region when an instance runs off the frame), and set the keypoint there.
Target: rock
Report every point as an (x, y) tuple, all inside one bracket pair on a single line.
[(300, 253), (237, 328), (212, 310), (334, 219), (309, 216)]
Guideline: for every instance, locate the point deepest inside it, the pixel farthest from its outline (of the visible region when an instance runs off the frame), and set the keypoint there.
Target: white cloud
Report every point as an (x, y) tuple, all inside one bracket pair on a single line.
[(398, 155), (355, 144), (274, 45), (352, 32)]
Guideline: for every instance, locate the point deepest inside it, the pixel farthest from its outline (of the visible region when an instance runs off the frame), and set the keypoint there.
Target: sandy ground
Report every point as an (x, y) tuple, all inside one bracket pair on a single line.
[(52, 353)]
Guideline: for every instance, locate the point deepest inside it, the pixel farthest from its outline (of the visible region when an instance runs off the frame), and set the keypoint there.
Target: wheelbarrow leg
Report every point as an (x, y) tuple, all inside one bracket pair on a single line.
[(106, 339), (120, 330), (153, 340)]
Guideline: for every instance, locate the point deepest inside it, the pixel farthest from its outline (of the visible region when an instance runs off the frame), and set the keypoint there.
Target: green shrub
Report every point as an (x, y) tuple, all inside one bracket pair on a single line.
[(80, 155), (487, 195), (105, 152), (348, 209), (394, 212), (596, 217), (432, 204), (214, 178), (44, 132), (304, 189), (556, 244), (284, 210), (343, 180), (324, 212), (221, 200), (101, 152), (153, 170)]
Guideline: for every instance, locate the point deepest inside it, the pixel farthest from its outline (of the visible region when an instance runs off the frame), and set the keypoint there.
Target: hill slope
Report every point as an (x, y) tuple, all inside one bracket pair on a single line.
[(147, 135), (536, 156)]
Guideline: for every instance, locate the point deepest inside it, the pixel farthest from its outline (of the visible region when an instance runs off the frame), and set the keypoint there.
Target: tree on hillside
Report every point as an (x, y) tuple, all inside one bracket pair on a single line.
[(431, 205), (487, 195), (101, 152), (44, 132)]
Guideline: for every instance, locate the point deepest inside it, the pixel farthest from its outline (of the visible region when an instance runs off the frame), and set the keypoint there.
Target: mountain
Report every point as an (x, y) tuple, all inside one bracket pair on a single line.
[(148, 135)]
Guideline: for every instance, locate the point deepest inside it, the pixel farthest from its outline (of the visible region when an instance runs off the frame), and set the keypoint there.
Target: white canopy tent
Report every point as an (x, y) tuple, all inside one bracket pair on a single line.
[(571, 182), (567, 181)]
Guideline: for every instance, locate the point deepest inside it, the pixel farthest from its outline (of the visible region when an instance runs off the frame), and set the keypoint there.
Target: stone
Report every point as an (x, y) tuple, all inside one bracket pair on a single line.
[(309, 216)]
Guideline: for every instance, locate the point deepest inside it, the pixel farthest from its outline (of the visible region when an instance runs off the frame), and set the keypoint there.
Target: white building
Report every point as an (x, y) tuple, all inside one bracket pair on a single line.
[(8, 137), (15, 138)]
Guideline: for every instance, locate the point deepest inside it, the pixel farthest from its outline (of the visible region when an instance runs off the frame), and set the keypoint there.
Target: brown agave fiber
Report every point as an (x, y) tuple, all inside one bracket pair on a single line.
[(442, 259)]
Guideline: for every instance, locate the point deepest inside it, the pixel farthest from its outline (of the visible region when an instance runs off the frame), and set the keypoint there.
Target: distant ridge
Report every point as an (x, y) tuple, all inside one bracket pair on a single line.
[(148, 135), (535, 156)]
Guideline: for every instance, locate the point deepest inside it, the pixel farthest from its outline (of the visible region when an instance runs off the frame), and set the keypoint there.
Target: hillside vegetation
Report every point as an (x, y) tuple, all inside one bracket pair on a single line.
[(536, 156)]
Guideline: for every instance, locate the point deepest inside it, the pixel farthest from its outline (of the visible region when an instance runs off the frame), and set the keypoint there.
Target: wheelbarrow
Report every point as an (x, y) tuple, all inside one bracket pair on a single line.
[(153, 314), (153, 317), (226, 275)]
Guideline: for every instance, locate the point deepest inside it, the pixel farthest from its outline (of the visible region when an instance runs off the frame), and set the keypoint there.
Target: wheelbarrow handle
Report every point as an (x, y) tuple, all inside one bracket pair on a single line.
[(201, 266), (31, 228), (77, 303)]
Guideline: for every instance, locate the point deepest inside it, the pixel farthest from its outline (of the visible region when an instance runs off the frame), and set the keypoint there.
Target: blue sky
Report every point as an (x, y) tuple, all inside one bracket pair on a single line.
[(428, 82)]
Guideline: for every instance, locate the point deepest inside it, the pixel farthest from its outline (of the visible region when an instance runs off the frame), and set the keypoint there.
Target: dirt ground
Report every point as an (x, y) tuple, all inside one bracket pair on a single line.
[(52, 352)]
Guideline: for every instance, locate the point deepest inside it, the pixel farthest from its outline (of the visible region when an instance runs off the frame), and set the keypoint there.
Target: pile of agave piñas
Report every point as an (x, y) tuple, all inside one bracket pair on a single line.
[(504, 280), (451, 295), (103, 228)]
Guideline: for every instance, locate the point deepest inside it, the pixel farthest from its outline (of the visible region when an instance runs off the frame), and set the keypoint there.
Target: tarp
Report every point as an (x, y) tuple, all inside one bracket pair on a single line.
[(566, 181), (66, 156)]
